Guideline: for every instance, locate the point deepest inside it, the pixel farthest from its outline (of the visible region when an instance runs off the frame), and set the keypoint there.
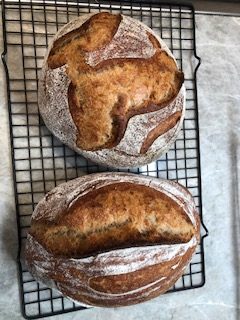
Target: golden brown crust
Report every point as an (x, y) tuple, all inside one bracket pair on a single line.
[(115, 216), (160, 273), (117, 277), (162, 277), (122, 282), (118, 290), (103, 98), (92, 35), (159, 130)]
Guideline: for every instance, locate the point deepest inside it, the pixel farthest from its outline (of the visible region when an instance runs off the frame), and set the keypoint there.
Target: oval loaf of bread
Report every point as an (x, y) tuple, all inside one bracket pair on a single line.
[(112, 239), (111, 90)]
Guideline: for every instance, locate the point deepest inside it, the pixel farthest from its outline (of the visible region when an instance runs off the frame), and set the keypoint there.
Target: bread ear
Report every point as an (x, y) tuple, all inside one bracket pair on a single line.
[(117, 277), (124, 142)]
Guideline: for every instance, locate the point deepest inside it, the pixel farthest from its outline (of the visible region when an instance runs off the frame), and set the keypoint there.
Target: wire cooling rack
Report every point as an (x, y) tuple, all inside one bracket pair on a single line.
[(40, 161)]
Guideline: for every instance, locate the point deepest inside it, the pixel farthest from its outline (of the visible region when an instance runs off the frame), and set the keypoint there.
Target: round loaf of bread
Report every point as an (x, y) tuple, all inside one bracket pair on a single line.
[(111, 90), (112, 239)]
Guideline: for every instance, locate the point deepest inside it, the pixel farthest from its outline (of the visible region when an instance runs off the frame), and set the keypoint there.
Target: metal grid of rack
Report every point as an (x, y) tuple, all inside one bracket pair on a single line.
[(40, 161)]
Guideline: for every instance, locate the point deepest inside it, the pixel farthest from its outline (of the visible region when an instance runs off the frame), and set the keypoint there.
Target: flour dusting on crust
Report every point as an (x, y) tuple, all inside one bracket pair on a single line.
[(128, 150), (54, 92), (75, 274), (54, 108), (110, 263), (130, 41), (63, 196)]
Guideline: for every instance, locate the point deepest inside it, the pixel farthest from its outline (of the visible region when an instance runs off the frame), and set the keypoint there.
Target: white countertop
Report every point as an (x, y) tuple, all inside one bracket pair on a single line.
[(218, 44)]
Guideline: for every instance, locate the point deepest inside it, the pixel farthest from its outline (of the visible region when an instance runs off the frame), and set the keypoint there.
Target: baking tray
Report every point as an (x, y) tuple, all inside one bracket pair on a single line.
[(40, 161)]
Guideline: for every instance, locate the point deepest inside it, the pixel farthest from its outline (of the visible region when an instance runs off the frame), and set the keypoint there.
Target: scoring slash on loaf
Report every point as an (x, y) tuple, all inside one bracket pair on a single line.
[(111, 90), (112, 239)]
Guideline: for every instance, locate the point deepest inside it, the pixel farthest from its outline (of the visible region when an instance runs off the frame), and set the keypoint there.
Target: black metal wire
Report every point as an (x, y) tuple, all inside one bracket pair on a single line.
[(41, 162)]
